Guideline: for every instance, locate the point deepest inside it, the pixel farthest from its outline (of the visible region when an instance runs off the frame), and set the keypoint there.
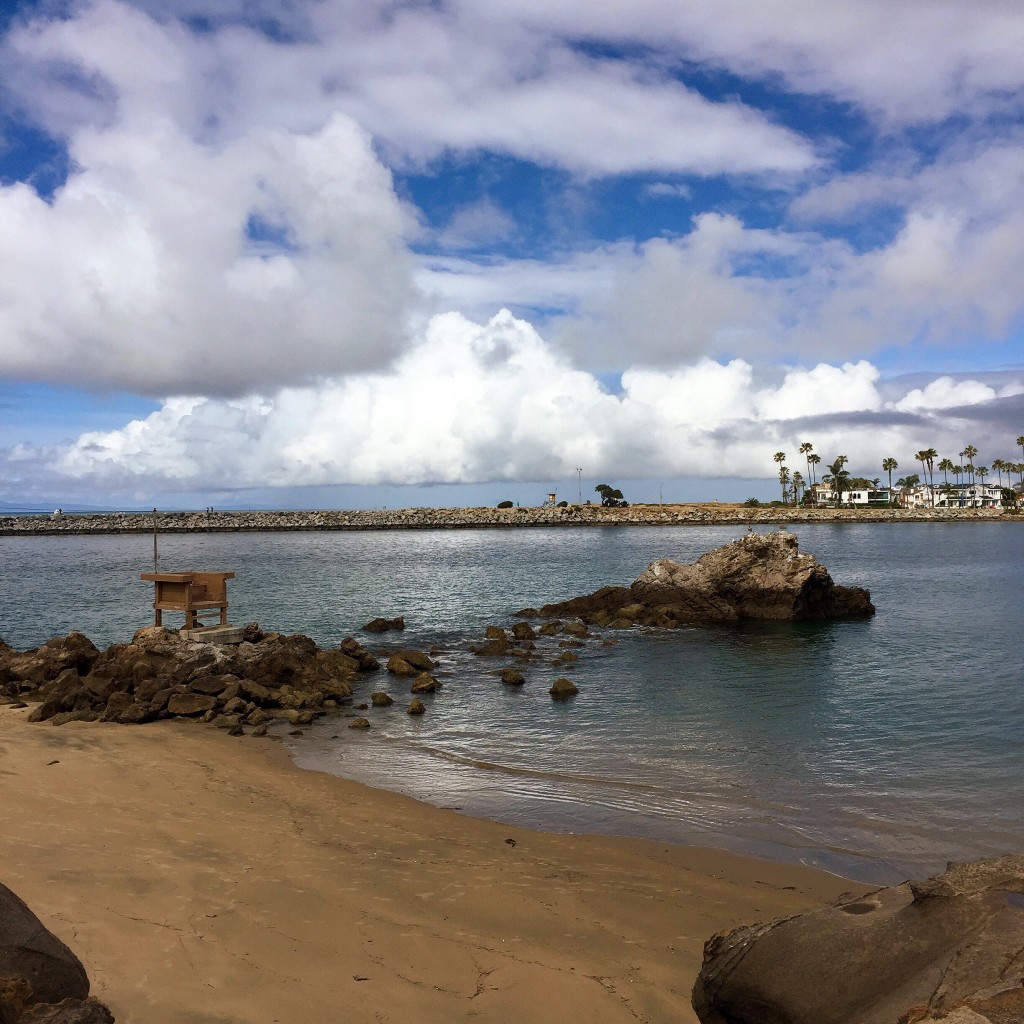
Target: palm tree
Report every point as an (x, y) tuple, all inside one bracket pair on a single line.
[(958, 471), (982, 472), (784, 481), (924, 456), (798, 483), (889, 465), (999, 465), (946, 465), (812, 461), (839, 476), (968, 453), (1020, 442), (805, 450)]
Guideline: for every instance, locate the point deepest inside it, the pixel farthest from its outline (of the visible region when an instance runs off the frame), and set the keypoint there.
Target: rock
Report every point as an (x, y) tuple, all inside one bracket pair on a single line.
[(359, 723), (523, 631), (565, 658), (563, 689), (384, 625), (759, 576), (29, 951), (495, 647), (425, 683), (575, 629), (416, 707), (400, 667), (495, 633), (417, 659), (191, 703), (549, 628), (948, 948), (381, 700), (68, 1011), (260, 730), (512, 677)]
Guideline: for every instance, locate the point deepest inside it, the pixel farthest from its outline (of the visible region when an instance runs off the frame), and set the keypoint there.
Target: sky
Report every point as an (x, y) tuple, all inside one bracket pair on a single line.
[(347, 253)]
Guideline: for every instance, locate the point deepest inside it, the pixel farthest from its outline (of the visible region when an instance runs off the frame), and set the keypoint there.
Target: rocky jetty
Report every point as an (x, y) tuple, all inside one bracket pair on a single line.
[(949, 949), (760, 576), (713, 513), (41, 980), (161, 675)]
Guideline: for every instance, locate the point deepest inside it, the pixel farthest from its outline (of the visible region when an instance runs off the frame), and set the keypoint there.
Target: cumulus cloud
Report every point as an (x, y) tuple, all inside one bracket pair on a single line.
[(484, 402), (167, 262)]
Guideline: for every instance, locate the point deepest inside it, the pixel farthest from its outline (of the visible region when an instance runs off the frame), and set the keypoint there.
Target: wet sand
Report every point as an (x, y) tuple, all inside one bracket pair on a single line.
[(204, 879)]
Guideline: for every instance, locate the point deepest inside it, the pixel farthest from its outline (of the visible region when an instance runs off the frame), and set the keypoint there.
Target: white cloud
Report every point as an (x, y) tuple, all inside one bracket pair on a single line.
[(905, 61), (472, 403)]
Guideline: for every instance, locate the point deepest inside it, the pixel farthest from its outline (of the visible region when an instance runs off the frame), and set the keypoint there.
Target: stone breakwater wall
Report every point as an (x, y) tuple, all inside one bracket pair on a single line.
[(473, 518)]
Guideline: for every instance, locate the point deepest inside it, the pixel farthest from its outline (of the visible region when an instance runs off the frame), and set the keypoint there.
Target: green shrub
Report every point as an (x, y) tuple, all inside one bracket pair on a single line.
[(504, 504)]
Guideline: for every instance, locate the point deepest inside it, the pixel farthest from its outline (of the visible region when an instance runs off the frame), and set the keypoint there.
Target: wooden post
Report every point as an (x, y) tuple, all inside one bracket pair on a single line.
[(158, 615)]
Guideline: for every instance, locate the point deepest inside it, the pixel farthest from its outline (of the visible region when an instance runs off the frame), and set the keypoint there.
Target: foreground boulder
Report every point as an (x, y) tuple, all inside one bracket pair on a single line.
[(760, 576), (950, 949), (40, 978)]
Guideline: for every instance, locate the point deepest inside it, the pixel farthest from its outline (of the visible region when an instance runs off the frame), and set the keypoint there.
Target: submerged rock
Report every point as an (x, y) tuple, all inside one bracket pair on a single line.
[(380, 625), (950, 948), (760, 576), (563, 689)]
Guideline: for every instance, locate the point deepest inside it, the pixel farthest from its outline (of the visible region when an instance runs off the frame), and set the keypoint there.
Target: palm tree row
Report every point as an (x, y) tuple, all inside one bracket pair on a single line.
[(793, 485)]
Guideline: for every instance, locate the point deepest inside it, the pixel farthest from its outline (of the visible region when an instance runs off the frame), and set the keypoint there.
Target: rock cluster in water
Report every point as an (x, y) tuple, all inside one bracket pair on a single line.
[(760, 576), (161, 675), (950, 948), (41, 980)]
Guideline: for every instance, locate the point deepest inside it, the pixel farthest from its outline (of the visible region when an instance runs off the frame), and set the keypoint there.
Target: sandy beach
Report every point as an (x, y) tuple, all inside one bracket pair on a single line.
[(203, 879)]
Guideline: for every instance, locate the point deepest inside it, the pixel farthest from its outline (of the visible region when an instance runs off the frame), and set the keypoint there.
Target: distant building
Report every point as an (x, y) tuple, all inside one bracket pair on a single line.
[(973, 495), (823, 495)]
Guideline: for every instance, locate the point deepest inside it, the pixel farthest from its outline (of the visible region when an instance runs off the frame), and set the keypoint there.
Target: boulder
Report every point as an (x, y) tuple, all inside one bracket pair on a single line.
[(359, 723), (416, 707), (512, 677), (420, 661), (384, 625), (563, 689), (425, 683), (398, 666), (760, 576), (381, 700), (523, 631), (28, 950), (950, 948), (190, 703)]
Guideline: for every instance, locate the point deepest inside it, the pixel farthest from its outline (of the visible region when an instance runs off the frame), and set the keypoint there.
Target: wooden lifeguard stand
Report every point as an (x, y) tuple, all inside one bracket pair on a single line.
[(197, 594)]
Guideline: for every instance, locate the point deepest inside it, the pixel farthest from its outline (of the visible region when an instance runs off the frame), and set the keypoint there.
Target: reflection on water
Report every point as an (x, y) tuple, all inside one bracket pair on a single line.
[(878, 748)]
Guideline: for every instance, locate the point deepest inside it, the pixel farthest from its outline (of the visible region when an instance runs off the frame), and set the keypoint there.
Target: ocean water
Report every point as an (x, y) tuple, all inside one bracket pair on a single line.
[(876, 748)]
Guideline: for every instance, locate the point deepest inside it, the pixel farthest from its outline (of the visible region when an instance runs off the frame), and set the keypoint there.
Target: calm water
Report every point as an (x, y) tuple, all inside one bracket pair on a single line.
[(877, 749)]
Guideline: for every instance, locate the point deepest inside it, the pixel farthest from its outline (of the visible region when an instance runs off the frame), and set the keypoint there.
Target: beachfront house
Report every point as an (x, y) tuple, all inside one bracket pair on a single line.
[(969, 495), (859, 497)]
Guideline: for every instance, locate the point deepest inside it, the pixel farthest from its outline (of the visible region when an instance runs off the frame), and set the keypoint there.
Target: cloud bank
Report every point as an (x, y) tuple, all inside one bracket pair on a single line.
[(472, 402)]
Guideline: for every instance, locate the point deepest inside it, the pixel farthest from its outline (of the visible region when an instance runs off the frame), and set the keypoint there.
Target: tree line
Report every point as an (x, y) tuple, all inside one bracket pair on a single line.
[(797, 488)]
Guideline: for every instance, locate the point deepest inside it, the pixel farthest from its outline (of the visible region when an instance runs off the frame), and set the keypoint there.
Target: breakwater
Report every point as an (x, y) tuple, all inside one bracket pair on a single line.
[(474, 518)]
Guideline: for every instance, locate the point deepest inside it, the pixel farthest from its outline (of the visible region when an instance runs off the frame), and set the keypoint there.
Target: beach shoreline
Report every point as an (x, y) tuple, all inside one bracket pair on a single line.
[(206, 879), (697, 514)]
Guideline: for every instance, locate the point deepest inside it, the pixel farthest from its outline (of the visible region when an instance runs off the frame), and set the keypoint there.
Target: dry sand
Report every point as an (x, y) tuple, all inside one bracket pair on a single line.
[(202, 879)]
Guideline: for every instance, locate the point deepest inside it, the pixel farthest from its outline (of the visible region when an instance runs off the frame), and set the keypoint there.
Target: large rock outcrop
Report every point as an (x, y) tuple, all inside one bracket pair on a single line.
[(40, 978), (949, 949), (161, 675), (759, 576)]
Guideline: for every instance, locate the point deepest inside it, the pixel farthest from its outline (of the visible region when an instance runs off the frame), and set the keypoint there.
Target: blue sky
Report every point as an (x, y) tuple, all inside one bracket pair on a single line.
[(322, 252)]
